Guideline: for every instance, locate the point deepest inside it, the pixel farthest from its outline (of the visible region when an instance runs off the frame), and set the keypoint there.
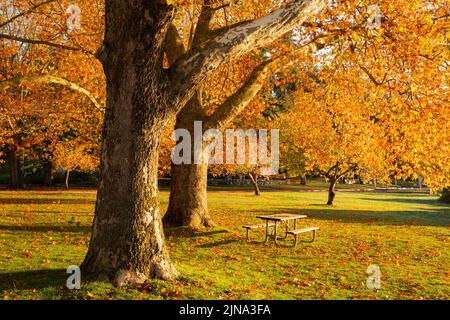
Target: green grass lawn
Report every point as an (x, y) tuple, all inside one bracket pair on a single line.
[(406, 234)]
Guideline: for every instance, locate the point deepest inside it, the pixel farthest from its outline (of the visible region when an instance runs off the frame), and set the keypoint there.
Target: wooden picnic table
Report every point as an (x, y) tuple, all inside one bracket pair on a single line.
[(275, 219)]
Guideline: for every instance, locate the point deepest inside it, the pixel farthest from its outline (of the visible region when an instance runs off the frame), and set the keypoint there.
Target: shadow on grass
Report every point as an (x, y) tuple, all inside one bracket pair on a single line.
[(218, 243), (33, 279), (20, 213), (406, 200), (436, 218), (187, 232), (47, 228), (45, 201)]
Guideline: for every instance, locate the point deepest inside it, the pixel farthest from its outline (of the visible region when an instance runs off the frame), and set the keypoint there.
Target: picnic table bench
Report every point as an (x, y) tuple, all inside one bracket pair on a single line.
[(285, 218), (256, 226)]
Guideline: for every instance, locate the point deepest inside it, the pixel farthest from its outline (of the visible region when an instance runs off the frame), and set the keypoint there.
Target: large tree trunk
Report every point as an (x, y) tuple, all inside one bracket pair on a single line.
[(127, 244), (331, 191), (15, 173), (188, 204)]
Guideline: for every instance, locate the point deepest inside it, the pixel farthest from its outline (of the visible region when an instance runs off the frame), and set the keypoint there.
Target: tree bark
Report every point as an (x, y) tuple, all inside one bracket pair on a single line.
[(331, 191), (188, 202), (15, 172), (127, 244), (254, 179)]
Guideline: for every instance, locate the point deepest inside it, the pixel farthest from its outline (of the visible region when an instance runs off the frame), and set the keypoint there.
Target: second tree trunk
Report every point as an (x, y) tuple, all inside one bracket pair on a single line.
[(188, 204)]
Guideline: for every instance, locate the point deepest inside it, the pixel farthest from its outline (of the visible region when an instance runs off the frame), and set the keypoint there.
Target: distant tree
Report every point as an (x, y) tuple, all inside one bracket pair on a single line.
[(72, 155), (331, 127), (445, 196)]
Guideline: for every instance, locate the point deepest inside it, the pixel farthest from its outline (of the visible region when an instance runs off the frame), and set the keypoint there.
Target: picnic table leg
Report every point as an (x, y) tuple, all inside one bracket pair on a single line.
[(267, 231), (295, 235), (286, 224), (295, 239), (314, 236), (275, 234)]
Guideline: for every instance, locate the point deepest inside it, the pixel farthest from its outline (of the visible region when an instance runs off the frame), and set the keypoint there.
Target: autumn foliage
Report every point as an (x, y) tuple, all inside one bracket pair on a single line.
[(362, 85)]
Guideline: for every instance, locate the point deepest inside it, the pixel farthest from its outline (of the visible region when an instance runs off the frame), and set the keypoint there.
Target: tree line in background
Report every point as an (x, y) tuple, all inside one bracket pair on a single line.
[(349, 98)]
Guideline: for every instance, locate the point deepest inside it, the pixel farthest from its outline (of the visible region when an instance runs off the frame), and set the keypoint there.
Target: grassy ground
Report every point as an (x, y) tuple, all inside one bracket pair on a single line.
[(407, 235)]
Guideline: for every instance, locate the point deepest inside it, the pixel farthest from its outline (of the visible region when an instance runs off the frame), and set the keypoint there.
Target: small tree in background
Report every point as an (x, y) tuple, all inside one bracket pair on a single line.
[(71, 155)]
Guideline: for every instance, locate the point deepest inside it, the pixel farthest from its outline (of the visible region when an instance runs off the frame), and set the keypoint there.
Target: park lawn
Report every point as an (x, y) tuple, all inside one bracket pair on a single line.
[(294, 185), (405, 234)]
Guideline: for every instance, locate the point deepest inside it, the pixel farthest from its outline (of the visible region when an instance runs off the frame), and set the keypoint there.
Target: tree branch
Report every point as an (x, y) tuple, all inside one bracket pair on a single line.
[(43, 42), (192, 68), (26, 12), (235, 103), (335, 167), (47, 79), (353, 167), (372, 77), (202, 28), (173, 45)]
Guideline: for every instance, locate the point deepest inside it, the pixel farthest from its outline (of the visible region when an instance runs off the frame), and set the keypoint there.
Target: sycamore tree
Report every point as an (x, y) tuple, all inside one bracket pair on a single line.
[(227, 92), (396, 44), (127, 243)]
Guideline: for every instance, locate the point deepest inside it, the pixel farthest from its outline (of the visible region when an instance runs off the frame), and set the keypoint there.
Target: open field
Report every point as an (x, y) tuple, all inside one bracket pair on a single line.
[(406, 234)]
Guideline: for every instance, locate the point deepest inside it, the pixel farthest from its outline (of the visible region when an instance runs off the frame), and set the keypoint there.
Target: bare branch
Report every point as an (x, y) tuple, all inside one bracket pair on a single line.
[(47, 79), (372, 77), (352, 168), (26, 12), (235, 103), (45, 43), (192, 68)]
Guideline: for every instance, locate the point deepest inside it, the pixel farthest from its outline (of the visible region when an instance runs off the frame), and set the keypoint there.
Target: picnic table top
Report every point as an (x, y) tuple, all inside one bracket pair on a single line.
[(282, 216)]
